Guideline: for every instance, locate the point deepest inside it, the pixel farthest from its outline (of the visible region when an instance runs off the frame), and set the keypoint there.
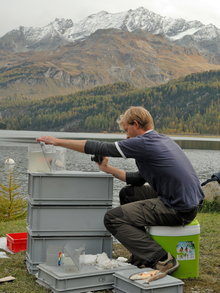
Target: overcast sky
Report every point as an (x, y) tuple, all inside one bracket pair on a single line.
[(38, 13)]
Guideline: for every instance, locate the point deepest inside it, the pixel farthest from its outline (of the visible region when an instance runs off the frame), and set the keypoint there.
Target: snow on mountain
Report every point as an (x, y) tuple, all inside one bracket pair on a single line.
[(58, 27), (101, 20), (132, 20), (37, 34), (190, 31), (207, 32), (144, 19), (61, 24), (61, 31)]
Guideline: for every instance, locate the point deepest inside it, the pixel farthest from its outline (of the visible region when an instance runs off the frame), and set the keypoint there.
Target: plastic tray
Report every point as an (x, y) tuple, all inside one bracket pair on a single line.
[(66, 220), (89, 279), (37, 246), (17, 241), (168, 284)]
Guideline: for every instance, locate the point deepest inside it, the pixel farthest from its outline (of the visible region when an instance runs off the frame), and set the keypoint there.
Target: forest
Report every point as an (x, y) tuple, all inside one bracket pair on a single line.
[(188, 105)]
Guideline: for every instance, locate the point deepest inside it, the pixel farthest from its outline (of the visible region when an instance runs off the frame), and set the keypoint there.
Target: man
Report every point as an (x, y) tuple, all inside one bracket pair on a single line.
[(171, 198)]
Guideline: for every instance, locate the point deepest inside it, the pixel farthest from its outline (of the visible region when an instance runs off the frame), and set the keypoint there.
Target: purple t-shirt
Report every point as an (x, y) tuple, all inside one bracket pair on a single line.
[(163, 164)]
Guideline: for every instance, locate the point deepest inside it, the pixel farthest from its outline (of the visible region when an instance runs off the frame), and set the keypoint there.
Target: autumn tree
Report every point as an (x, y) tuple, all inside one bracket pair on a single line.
[(13, 205)]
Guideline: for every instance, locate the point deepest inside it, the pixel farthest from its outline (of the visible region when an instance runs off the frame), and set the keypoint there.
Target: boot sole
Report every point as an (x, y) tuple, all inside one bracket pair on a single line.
[(173, 269)]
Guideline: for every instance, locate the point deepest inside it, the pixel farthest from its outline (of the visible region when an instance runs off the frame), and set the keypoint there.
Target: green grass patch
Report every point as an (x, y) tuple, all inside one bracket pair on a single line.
[(210, 207), (209, 263)]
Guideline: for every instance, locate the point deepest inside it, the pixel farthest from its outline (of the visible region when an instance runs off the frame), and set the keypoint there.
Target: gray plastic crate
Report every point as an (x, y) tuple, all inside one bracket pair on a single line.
[(32, 268), (66, 220), (71, 187), (89, 279), (37, 246), (168, 284)]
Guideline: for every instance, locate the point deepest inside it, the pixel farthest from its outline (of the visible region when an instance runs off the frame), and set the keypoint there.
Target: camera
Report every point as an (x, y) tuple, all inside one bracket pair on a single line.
[(97, 159)]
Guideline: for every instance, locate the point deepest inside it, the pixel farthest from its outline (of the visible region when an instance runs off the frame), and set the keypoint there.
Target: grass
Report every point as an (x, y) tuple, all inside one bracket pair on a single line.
[(209, 267), (210, 206)]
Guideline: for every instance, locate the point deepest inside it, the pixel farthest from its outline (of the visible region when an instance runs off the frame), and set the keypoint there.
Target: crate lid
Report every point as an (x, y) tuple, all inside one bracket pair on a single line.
[(87, 270), (191, 229), (67, 173)]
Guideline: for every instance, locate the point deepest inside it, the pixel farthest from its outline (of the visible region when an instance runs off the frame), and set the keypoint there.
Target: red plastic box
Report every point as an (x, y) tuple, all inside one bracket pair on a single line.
[(17, 241)]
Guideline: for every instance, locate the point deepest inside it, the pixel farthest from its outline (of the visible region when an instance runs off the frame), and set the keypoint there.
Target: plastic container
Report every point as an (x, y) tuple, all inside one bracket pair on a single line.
[(17, 242), (74, 257), (71, 187), (46, 158), (68, 220), (183, 244), (122, 283), (90, 279), (37, 246), (32, 268)]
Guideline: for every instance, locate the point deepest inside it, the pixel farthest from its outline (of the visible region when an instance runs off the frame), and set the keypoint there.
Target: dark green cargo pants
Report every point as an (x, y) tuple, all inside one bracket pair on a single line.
[(141, 207)]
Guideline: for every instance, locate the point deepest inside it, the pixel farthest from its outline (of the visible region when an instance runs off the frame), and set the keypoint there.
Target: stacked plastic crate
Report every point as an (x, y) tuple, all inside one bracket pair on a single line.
[(67, 207)]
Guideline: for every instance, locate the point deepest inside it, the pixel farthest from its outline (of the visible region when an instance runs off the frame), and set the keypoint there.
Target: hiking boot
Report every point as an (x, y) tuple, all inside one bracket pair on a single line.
[(134, 261), (168, 266)]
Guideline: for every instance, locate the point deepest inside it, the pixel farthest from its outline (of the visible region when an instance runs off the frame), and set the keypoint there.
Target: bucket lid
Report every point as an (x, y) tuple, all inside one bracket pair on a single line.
[(194, 222), (191, 229)]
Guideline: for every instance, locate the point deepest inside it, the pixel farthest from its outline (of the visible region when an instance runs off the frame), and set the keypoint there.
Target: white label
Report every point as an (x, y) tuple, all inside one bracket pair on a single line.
[(186, 250)]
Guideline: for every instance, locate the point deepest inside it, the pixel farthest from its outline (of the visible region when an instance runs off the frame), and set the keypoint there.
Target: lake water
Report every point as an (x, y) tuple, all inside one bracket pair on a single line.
[(204, 154)]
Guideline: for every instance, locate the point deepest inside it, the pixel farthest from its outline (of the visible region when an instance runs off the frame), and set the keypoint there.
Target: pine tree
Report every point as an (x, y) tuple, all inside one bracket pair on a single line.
[(13, 206)]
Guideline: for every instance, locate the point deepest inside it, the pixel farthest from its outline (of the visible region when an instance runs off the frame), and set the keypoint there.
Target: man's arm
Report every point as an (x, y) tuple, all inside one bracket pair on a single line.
[(133, 178), (117, 173), (94, 147), (75, 145)]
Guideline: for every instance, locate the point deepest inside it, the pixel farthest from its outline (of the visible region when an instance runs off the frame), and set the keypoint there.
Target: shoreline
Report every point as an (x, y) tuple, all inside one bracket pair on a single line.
[(25, 138), (3, 133)]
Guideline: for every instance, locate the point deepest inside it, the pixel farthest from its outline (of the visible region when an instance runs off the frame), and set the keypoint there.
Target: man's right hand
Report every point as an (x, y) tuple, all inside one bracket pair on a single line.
[(48, 139), (103, 166)]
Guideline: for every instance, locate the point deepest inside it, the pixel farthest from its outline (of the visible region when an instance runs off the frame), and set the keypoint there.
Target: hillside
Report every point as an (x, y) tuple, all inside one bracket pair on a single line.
[(189, 104), (106, 57)]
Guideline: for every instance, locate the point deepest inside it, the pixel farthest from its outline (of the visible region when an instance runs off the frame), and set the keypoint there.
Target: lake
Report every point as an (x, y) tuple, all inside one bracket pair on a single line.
[(204, 154)]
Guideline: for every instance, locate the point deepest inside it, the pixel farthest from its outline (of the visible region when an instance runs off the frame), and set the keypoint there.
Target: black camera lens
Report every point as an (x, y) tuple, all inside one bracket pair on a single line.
[(97, 159)]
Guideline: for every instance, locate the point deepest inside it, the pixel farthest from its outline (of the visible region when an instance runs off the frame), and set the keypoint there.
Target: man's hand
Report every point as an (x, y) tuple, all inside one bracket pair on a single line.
[(48, 140), (103, 166), (75, 145)]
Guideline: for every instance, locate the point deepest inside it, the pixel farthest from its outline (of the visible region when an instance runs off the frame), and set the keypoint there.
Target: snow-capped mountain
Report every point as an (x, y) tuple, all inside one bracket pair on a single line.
[(61, 31), (132, 20)]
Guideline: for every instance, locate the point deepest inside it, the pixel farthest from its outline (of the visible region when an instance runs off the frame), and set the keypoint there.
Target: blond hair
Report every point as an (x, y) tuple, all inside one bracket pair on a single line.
[(140, 114)]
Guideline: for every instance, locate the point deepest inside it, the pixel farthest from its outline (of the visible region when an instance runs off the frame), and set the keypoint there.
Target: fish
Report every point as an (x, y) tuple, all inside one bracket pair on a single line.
[(148, 276), (59, 163), (143, 275), (157, 276)]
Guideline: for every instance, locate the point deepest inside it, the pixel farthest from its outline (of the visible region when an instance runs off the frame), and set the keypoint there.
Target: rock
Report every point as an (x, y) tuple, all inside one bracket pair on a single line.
[(212, 191)]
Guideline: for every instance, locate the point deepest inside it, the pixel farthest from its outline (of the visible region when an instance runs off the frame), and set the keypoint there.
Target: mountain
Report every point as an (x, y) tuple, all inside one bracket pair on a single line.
[(135, 46), (105, 57), (194, 34)]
